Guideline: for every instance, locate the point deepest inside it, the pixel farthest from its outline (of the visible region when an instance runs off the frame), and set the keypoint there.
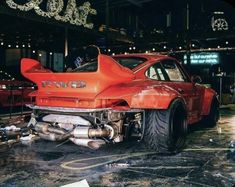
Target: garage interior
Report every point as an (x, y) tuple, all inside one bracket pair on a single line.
[(199, 34)]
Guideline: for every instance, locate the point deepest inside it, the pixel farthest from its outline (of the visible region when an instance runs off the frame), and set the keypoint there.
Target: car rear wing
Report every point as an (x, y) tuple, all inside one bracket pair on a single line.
[(109, 73)]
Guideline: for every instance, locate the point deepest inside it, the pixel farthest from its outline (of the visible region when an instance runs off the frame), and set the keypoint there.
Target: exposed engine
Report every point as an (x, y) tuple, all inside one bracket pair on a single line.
[(92, 129)]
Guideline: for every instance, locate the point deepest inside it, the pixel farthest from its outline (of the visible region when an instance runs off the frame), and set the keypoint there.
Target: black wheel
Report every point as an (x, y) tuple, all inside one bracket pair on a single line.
[(213, 116), (165, 130)]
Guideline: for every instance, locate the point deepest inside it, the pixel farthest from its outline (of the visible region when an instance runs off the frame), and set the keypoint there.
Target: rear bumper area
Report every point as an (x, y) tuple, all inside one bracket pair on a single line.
[(62, 109), (77, 110)]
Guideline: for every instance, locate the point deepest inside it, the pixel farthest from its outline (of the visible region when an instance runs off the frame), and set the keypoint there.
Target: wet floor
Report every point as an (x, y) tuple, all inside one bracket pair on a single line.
[(208, 160)]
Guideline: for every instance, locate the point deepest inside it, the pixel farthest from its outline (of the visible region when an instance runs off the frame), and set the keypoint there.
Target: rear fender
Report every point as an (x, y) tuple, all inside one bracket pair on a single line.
[(151, 97), (209, 96)]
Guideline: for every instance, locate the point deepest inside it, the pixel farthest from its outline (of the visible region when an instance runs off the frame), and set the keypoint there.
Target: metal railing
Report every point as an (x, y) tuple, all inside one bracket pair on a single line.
[(17, 96)]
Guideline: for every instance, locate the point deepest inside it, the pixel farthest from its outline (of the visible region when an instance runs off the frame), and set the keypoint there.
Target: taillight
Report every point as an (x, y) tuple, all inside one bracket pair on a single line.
[(3, 86)]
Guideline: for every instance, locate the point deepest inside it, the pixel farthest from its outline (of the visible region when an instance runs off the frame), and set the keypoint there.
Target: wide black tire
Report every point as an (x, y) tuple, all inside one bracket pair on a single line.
[(166, 130), (212, 118)]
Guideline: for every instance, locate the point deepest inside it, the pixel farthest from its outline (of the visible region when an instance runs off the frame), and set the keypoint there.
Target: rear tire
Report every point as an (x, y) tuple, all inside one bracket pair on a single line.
[(212, 118), (165, 130)]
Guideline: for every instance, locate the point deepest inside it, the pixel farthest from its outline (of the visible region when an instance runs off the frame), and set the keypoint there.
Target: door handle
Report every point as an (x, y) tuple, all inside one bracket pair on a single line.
[(180, 90)]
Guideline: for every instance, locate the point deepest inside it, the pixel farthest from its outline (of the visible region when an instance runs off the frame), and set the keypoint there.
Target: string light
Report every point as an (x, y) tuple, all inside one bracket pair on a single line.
[(2, 43), (72, 14)]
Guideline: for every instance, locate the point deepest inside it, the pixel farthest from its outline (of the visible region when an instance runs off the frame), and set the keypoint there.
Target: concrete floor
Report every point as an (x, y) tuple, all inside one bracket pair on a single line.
[(208, 160)]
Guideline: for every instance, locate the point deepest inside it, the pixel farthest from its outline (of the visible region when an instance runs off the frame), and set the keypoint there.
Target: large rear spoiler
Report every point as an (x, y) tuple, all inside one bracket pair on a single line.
[(109, 72)]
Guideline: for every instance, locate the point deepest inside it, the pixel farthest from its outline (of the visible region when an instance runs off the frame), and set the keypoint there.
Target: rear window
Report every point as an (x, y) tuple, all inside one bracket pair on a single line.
[(88, 67), (130, 62)]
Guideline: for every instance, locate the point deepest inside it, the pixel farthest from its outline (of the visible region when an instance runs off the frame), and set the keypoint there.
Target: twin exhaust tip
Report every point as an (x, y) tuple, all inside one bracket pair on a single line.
[(80, 136), (92, 144)]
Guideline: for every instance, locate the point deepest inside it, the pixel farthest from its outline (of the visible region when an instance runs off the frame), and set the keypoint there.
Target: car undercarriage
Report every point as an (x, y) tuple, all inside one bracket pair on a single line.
[(89, 127)]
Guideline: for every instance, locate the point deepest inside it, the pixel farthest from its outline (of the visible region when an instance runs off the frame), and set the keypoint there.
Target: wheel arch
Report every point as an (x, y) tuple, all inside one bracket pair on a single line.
[(209, 97), (182, 101), (155, 98)]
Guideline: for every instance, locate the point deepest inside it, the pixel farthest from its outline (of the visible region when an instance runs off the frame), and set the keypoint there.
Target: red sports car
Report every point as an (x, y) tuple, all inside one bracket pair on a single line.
[(13, 92), (114, 98)]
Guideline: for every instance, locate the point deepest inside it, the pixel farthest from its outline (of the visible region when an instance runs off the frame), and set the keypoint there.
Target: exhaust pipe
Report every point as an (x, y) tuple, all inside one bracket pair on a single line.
[(92, 144), (46, 129), (86, 132), (42, 127), (54, 137), (51, 133)]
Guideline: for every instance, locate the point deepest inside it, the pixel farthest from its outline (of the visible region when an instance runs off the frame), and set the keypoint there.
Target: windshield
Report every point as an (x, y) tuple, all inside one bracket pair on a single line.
[(130, 62)]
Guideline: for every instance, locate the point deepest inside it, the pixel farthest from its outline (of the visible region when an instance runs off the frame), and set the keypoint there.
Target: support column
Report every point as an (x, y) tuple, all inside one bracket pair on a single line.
[(66, 48)]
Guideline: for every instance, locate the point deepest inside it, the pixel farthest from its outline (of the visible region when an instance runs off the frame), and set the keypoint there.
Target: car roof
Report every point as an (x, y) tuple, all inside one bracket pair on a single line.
[(150, 58)]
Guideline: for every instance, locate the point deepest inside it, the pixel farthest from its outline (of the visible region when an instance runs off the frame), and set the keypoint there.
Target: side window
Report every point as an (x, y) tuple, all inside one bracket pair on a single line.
[(173, 71), (155, 72)]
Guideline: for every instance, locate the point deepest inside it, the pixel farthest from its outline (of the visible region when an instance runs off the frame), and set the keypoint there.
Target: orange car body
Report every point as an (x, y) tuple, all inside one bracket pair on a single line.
[(113, 86)]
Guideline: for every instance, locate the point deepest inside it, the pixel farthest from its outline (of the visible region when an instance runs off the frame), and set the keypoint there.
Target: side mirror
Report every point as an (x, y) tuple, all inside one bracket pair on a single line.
[(196, 79)]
